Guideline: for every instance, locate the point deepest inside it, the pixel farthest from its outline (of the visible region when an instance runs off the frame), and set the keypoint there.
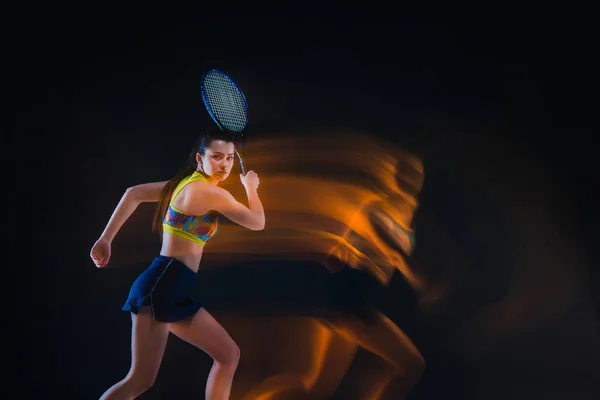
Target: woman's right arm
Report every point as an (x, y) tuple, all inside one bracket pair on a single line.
[(251, 217), (133, 196)]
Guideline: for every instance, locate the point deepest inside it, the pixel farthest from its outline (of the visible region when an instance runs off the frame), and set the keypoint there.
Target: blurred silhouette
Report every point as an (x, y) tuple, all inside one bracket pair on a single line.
[(347, 202)]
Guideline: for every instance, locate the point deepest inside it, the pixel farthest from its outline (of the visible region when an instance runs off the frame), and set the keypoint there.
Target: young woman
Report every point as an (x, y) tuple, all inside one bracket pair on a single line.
[(159, 300)]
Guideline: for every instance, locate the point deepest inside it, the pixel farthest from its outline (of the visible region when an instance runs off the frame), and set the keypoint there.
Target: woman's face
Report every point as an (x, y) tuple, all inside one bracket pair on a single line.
[(217, 160)]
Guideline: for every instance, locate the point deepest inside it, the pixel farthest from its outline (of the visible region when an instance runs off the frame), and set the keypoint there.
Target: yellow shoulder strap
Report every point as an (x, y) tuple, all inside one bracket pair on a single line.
[(196, 176)]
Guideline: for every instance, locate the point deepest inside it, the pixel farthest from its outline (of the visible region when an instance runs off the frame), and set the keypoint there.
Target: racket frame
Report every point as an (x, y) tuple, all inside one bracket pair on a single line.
[(216, 120)]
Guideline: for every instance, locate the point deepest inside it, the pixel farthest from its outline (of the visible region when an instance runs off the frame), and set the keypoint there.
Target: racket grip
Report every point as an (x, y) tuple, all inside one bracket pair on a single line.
[(242, 166)]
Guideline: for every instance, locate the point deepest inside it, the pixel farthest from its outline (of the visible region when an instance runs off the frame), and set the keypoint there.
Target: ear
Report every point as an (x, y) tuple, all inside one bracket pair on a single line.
[(199, 158)]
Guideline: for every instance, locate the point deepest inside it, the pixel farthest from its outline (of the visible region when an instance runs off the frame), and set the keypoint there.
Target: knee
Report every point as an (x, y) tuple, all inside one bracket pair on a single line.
[(140, 383), (229, 356), (235, 354)]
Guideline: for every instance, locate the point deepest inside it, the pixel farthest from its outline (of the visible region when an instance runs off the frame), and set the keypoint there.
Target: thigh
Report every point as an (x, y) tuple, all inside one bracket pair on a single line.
[(332, 356), (381, 337), (148, 342), (205, 332)]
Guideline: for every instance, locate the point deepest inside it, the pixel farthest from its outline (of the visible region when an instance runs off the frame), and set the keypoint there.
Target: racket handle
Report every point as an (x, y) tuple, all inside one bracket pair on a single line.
[(241, 163)]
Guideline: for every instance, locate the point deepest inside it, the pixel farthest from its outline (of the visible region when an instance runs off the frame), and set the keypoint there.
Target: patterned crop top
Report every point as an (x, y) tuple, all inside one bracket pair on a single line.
[(197, 228)]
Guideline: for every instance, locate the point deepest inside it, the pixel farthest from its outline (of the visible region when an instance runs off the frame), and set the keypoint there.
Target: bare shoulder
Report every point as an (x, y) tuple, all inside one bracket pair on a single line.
[(206, 190), (202, 194), (219, 191), (197, 198)]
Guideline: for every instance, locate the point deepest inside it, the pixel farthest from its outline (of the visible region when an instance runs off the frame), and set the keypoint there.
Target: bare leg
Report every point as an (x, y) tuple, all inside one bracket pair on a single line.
[(388, 341), (148, 341), (204, 332), (332, 355)]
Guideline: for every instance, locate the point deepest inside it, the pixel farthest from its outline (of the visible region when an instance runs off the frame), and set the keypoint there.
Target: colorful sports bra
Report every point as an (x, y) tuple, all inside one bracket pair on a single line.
[(197, 228)]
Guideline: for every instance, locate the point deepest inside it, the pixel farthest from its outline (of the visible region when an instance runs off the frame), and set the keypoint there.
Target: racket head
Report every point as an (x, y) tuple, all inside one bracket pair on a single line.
[(224, 101)]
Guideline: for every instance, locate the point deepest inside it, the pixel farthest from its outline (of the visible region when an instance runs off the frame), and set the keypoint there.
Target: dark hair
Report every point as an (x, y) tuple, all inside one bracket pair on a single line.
[(189, 167)]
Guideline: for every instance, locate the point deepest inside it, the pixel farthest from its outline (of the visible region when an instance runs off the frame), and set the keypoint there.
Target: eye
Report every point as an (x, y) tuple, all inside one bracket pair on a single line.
[(230, 158), (216, 157)]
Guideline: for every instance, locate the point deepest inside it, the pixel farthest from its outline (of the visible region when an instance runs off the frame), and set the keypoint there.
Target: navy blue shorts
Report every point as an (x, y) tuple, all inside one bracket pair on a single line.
[(165, 287)]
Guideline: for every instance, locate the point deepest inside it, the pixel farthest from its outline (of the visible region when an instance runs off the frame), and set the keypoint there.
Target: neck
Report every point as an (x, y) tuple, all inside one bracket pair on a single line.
[(209, 179)]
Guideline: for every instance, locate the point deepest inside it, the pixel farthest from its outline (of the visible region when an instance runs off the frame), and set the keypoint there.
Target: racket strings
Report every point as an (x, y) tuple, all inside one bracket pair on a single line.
[(226, 102)]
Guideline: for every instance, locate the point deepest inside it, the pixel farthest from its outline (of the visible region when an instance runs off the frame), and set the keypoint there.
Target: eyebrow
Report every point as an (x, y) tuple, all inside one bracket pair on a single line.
[(218, 152)]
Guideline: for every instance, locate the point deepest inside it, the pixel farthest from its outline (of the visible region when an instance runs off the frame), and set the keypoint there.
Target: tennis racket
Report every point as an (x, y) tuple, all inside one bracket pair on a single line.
[(226, 105)]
